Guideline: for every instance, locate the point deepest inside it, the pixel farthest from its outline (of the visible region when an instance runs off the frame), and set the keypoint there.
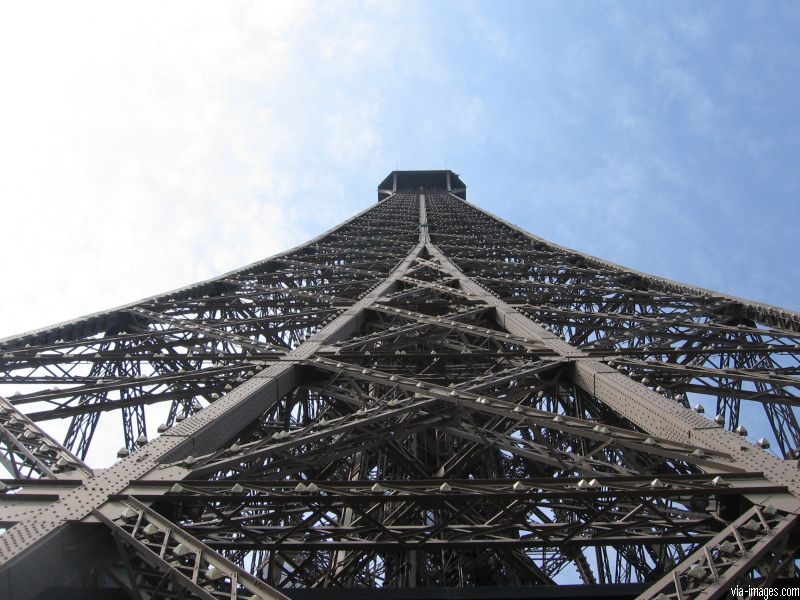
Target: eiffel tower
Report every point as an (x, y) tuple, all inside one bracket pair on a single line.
[(423, 402)]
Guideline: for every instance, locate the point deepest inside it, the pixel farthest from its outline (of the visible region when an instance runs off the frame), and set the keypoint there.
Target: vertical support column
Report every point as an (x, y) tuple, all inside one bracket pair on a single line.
[(424, 236), (340, 557)]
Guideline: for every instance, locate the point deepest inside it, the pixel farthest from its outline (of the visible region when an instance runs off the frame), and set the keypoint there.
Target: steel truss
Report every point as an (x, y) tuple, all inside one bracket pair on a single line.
[(423, 397)]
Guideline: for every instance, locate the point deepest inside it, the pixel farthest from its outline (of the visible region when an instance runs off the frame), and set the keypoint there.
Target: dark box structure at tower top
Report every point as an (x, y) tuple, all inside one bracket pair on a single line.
[(415, 181)]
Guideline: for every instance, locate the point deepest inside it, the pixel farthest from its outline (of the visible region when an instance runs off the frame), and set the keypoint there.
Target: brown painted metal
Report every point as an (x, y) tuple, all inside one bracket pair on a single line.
[(424, 396)]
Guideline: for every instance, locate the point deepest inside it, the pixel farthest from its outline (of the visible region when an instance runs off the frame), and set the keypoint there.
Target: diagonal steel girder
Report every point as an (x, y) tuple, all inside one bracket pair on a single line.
[(182, 562), (27, 451)]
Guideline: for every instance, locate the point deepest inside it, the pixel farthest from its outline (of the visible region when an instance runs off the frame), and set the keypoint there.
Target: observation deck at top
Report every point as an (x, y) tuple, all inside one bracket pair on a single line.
[(414, 181)]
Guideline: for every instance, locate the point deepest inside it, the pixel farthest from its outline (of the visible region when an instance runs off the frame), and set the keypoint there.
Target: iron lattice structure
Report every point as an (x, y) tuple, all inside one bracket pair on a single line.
[(423, 402)]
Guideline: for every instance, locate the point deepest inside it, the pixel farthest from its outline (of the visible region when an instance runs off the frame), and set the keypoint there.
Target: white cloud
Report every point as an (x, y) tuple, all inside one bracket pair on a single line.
[(696, 27), (487, 31), (666, 52), (469, 118), (693, 100), (147, 146), (351, 127), (632, 113)]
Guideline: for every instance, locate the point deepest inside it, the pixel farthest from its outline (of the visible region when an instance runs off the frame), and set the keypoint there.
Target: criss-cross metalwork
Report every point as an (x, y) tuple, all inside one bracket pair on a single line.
[(425, 400)]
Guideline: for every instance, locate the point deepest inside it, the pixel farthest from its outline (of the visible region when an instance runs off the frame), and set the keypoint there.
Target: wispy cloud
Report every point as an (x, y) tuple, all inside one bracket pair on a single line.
[(146, 147), (489, 32)]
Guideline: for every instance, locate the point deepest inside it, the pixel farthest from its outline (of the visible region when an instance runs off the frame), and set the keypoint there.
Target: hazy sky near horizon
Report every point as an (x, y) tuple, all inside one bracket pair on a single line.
[(148, 145)]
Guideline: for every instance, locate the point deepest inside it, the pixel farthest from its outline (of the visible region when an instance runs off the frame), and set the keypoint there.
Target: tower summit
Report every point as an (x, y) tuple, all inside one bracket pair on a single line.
[(414, 181), (394, 410)]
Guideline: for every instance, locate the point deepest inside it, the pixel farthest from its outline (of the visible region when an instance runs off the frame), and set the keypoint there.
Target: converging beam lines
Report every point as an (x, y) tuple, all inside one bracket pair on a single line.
[(370, 410), (532, 416)]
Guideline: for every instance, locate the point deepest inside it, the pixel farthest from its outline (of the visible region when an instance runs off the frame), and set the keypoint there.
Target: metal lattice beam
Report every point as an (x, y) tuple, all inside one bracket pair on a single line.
[(422, 397)]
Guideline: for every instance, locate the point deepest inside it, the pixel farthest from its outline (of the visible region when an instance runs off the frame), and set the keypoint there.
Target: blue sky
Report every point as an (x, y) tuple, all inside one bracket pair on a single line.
[(148, 145)]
